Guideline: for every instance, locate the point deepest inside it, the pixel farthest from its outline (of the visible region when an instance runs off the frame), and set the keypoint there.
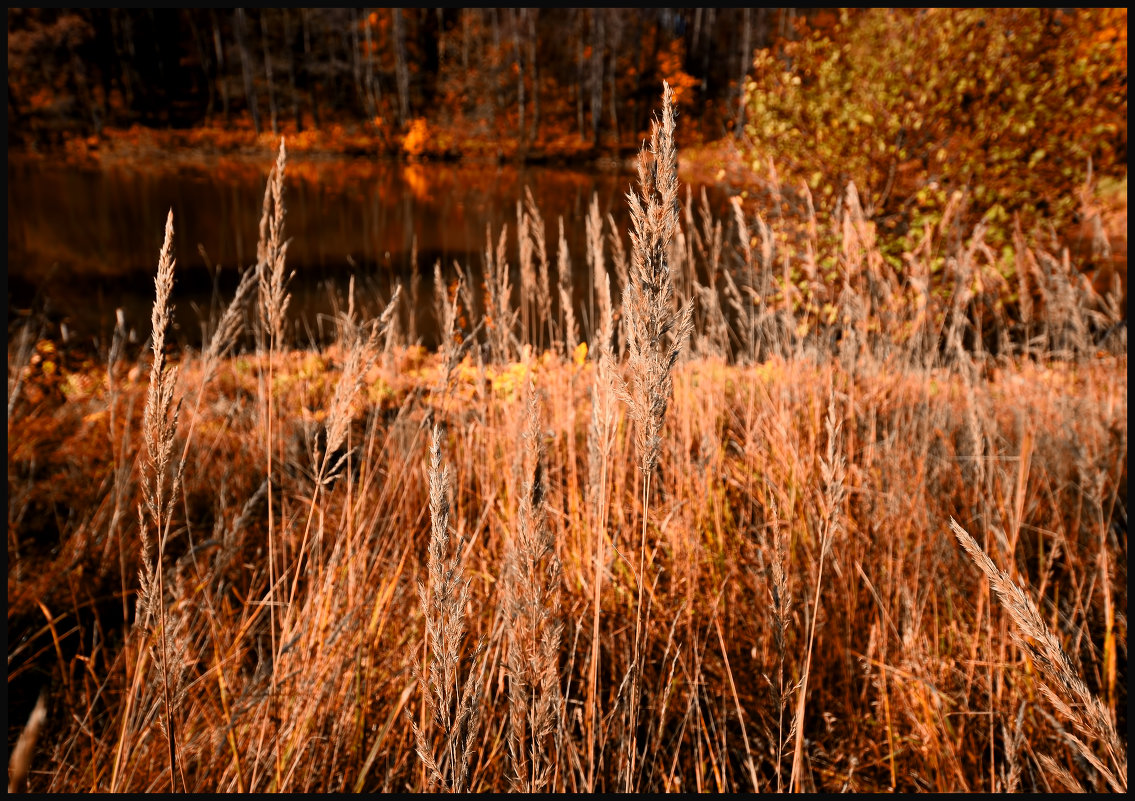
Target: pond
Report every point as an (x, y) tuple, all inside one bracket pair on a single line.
[(83, 243)]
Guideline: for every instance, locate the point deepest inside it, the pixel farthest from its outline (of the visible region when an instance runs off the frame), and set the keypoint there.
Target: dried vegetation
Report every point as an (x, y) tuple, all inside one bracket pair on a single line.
[(709, 542)]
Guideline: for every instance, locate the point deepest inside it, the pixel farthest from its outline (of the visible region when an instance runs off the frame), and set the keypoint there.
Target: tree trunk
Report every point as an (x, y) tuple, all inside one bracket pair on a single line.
[(598, 46), (272, 113), (746, 60), (246, 69), (292, 70), (517, 23), (124, 50), (612, 74), (496, 64), (309, 76), (440, 36), (532, 13), (206, 67), (401, 72), (356, 62), (222, 79), (371, 81), (579, 76)]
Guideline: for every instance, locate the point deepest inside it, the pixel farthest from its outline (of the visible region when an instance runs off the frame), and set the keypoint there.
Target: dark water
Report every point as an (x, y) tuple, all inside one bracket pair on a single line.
[(84, 243)]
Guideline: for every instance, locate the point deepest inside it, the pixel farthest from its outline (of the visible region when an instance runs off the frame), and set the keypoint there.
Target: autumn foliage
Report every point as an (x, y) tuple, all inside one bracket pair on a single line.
[(1013, 107)]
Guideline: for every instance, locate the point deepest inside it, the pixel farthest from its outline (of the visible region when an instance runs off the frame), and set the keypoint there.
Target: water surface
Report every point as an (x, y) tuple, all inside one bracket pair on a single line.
[(83, 243)]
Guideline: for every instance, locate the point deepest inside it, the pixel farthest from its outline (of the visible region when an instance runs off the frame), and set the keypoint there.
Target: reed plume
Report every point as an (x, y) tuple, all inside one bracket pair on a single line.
[(603, 318), (607, 391), (1063, 686), (271, 254), (453, 706), (655, 333), (159, 490), (20, 760), (498, 298), (539, 247), (532, 608), (569, 329)]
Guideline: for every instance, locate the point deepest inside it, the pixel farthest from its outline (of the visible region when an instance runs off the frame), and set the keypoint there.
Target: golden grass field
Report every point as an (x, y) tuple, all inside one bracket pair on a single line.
[(771, 515)]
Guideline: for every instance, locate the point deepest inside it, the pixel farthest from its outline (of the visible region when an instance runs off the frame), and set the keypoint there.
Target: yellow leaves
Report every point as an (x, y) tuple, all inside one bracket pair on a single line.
[(509, 379), (580, 355), (1037, 157)]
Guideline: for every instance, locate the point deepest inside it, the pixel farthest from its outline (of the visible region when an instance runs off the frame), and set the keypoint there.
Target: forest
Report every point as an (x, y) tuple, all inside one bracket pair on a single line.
[(1012, 107), (526, 74)]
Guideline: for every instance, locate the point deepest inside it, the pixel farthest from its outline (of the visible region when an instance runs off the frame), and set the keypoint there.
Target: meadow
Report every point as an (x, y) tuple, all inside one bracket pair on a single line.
[(774, 509)]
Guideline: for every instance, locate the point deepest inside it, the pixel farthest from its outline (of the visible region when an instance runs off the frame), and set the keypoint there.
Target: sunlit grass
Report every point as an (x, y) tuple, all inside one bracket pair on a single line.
[(806, 618)]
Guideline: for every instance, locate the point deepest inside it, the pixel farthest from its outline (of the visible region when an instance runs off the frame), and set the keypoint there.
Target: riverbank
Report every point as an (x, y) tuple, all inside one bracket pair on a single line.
[(237, 147)]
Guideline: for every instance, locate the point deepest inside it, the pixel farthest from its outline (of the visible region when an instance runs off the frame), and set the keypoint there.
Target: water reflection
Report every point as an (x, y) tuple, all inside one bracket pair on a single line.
[(82, 243)]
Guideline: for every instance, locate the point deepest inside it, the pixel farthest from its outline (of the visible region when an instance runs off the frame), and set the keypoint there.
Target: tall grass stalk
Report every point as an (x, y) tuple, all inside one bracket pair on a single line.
[(1063, 687), (361, 348), (279, 642), (607, 391), (655, 333), (833, 471), (271, 255), (454, 706), (159, 488), (532, 608)]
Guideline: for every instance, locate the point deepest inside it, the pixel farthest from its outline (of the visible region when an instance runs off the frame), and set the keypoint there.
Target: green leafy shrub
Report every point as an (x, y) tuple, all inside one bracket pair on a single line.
[(1007, 105)]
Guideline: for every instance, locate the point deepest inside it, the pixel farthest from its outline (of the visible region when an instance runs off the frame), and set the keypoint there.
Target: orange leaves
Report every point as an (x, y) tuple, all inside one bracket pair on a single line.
[(414, 143), (670, 61)]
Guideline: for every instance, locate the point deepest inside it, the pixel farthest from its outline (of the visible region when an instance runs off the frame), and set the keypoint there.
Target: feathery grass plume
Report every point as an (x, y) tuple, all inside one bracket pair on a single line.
[(271, 254), (833, 471), (159, 428), (569, 329), (540, 252), (392, 328), (607, 391), (714, 341), (20, 760), (618, 252), (527, 274), (744, 314), (453, 706), (779, 610), (415, 288), (222, 341), (274, 299), (362, 352), (18, 367), (532, 607), (603, 319), (1013, 743), (1062, 686), (466, 293), (442, 305), (452, 345), (498, 301), (228, 329), (654, 332)]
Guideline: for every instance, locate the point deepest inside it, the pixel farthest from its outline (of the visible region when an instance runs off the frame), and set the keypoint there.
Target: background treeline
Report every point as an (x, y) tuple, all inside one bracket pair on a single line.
[(522, 72), (1008, 106), (1015, 108)]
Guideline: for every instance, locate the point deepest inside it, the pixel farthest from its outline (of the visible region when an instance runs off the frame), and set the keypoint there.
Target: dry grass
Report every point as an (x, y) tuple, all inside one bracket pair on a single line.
[(654, 563)]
